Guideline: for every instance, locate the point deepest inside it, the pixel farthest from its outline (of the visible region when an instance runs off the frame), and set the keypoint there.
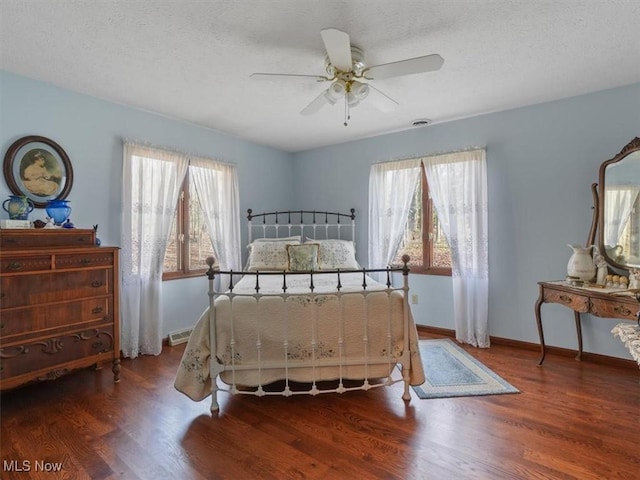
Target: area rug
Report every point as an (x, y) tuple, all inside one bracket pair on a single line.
[(451, 372)]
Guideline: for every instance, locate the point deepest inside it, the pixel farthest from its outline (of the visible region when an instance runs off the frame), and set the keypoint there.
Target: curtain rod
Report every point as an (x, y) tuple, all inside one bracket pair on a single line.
[(140, 143), (416, 156)]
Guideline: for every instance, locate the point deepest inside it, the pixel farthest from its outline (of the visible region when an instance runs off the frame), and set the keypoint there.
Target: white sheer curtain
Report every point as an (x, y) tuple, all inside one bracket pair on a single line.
[(618, 203), (217, 189), (152, 179), (458, 186), (391, 187)]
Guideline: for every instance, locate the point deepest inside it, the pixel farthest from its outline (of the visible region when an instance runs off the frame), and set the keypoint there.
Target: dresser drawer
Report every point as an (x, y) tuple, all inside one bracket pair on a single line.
[(26, 263), (50, 352), (606, 309), (45, 238), (32, 290), (80, 260), (578, 303), (26, 320)]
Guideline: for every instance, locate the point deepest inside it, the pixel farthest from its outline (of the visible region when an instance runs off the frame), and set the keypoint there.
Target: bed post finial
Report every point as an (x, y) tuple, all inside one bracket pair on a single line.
[(211, 272), (405, 267)]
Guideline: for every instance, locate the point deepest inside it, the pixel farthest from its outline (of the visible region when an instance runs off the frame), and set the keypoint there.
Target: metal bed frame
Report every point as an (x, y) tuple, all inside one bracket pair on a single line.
[(324, 224)]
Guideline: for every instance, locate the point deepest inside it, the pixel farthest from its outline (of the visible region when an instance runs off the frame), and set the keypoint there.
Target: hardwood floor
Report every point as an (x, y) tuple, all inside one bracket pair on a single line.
[(572, 420)]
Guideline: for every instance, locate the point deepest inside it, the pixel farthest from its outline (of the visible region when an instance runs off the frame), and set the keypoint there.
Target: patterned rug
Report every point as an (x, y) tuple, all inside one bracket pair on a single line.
[(452, 372)]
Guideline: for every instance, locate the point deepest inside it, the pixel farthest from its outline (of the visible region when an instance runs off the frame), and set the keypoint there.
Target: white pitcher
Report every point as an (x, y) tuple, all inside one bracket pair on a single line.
[(581, 263)]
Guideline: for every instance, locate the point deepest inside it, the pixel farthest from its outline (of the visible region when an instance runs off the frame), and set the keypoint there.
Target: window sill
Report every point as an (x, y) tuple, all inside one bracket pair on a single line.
[(441, 272), (178, 276)]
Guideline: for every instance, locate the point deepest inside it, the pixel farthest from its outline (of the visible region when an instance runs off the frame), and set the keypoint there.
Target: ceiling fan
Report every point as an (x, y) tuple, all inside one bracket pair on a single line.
[(350, 77)]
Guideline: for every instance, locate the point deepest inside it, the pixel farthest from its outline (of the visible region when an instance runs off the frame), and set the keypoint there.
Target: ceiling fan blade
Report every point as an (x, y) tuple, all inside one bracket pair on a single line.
[(380, 100), (338, 48), (318, 78), (427, 63), (315, 105)]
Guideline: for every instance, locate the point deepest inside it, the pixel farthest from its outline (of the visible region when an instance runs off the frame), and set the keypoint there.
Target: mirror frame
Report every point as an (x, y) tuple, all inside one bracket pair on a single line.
[(632, 146)]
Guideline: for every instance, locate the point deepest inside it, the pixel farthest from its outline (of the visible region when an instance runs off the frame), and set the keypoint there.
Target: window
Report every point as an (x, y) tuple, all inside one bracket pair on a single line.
[(424, 240), (189, 242)]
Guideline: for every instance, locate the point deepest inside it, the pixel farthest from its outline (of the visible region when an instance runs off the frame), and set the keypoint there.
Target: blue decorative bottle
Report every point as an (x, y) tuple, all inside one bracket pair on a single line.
[(59, 210)]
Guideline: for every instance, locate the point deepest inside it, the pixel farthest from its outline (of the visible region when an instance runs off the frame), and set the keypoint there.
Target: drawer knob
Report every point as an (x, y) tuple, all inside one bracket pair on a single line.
[(565, 298), (14, 266), (96, 310), (96, 284)]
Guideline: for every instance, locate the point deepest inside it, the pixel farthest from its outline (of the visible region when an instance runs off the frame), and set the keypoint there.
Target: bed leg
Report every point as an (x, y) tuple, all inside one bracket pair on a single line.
[(214, 402), (214, 372), (406, 396)]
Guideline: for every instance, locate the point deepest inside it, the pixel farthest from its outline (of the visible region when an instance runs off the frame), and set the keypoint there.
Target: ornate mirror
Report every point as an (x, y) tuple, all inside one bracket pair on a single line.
[(619, 208)]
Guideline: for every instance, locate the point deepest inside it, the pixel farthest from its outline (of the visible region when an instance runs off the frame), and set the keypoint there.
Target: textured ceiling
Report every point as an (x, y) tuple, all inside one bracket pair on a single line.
[(191, 60)]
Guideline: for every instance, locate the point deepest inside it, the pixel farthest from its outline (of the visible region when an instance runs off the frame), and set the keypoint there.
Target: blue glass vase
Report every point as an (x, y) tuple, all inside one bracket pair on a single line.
[(59, 210)]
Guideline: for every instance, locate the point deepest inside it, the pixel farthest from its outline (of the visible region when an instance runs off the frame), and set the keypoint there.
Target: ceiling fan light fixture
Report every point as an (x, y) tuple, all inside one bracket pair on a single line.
[(357, 60), (335, 92), (359, 90), (357, 63)]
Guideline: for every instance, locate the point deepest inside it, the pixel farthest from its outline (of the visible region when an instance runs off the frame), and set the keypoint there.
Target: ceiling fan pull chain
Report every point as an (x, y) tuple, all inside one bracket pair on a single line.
[(346, 110)]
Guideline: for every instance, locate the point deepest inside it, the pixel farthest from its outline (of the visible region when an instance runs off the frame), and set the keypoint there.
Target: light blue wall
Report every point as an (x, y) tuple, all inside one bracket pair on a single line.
[(541, 163), (91, 131)]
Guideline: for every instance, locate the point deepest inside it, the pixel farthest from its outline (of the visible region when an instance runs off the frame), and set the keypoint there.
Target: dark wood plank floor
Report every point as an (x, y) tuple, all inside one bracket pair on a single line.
[(572, 420)]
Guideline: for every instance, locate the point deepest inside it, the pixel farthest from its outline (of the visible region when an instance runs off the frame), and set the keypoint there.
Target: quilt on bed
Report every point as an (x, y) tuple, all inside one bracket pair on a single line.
[(301, 319)]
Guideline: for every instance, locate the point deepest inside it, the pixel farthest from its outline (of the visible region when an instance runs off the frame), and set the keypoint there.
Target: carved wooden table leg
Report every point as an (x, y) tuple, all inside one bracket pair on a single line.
[(576, 315), (539, 323), (116, 370)]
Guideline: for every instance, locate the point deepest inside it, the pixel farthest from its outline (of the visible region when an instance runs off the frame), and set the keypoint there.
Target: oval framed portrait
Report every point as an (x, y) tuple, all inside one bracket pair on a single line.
[(39, 169)]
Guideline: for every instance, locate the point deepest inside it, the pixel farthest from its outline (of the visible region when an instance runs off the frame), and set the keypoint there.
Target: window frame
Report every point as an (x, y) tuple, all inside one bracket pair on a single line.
[(182, 232), (428, 234)]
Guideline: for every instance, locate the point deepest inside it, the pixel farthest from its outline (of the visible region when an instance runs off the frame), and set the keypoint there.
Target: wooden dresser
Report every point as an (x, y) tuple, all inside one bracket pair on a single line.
[(58, 304)]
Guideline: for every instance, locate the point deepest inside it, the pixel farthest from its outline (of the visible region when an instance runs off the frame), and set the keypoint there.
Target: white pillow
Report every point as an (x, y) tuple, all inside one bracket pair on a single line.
[(336, 254), (269, 256)]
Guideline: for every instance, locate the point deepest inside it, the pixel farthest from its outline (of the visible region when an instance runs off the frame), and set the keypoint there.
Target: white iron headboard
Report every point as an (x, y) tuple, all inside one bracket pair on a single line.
[(306, 223)]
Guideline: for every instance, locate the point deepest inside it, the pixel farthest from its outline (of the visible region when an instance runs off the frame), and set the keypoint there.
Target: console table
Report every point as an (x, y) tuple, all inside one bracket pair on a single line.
[(596, 301)]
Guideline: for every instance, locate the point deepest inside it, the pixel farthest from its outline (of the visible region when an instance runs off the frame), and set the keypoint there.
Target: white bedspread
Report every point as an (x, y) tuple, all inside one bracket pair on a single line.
[(261, 327)]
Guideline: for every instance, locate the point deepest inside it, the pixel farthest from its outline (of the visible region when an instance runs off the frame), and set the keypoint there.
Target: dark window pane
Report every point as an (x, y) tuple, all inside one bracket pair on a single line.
[(424, 240), (199, 244)]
